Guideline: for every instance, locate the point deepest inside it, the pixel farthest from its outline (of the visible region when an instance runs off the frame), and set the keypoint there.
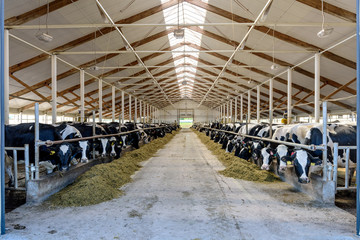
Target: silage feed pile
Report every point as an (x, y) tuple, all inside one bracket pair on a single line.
[(235, 166), (102, 182)]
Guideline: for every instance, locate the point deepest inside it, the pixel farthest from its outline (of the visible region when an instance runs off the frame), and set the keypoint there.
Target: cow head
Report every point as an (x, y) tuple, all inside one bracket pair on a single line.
[(256, 149), (104, 146), (246, 152), (113, 146), (282, 155), (267, 154), (232, 143), (302, 161), (85, 148), (63, 154), (123, 141)]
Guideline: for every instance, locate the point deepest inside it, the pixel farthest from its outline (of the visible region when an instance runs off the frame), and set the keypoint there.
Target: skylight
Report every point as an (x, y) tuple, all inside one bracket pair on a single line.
[(185, 67)]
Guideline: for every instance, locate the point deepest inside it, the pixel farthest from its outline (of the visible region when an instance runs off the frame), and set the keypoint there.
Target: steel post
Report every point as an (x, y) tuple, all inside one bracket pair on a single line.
[(27, 164), (113, 103), (324, 140), (82, 95), (130, 103), (258, 103), (236, 118), (241, 107), (317, 88), (289, 96), (249, 108), (100, 100), (16, 185), (53, 88), (122, 107), (6, 75), (2, 118), (37, 139), (357, 117)]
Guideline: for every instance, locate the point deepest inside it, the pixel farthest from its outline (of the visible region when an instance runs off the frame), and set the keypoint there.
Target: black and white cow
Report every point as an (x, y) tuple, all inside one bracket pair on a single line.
[(302, 161), (97, 145), (54, 156), (114, 146)]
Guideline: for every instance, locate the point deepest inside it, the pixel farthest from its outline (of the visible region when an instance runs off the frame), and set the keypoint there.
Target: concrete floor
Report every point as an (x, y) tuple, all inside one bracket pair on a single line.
[(178, 194)]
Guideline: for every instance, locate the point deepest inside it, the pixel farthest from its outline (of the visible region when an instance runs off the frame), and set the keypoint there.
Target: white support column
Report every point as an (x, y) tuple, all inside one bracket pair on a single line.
[(289, 96), (135, 108), (231, 111), (236, 101), (6, 75), (130, 108), (53, 87), (258, 103), (100, 100), (241, 107), (122, 107), (271, 99), (82, 95), (147, 113), (317, 88), (140, 112), (113, 103), (249, 107), (220, 113), (227, 112)]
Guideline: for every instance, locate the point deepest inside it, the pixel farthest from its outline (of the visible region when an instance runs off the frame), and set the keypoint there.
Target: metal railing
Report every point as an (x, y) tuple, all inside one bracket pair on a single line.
[(39, 143), (323, 147), (27, 164), (335, 167)]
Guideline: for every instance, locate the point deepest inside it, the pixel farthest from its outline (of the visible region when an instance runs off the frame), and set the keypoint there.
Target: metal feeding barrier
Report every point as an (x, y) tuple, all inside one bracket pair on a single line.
[(329, 171), (347, 168), (39, 143), (15, 161)]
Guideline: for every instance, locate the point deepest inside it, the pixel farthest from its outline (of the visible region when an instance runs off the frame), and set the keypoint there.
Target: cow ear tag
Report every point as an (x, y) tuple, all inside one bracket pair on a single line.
[(288, 162), (52, 152), (312, 164), (292, 153)]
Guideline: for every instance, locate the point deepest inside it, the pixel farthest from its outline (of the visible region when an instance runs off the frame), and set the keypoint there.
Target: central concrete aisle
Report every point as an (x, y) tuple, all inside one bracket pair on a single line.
[(179, 194)]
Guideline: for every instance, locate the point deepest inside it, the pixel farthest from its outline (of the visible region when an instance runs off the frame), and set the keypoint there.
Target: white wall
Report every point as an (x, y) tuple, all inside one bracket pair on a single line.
[(201, 114)]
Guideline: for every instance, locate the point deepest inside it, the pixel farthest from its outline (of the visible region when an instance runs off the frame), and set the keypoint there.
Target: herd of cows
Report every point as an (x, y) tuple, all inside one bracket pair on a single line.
[(263, 152), (61, 156)]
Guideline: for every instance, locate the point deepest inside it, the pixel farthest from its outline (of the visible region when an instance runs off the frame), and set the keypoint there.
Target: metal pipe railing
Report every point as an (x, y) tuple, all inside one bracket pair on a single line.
[(15, 159), (49, 143), (335, 167), (311, 147)]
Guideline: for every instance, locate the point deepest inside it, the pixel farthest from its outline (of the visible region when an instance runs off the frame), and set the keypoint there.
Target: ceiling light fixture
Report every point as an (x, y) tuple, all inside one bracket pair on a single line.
[(94, 68), (44, 37), (273, 66), (266, 13), (324, 32), (179, 32), (184, 82), (103, 16)]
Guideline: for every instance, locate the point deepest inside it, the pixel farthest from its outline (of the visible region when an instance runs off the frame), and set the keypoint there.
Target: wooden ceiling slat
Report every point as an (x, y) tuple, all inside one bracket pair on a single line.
[(90, 36), (37, 12), (277, 34), (331, 9)]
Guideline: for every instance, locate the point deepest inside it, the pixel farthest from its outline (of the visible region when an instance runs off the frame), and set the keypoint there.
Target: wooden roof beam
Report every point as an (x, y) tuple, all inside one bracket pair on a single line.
[(277, 34), (90, 36), (38, 12), (331, 9)]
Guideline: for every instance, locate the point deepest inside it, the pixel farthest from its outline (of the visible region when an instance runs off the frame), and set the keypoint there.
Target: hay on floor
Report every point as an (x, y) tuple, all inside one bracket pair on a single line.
[(102, 182), (235, 166)]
